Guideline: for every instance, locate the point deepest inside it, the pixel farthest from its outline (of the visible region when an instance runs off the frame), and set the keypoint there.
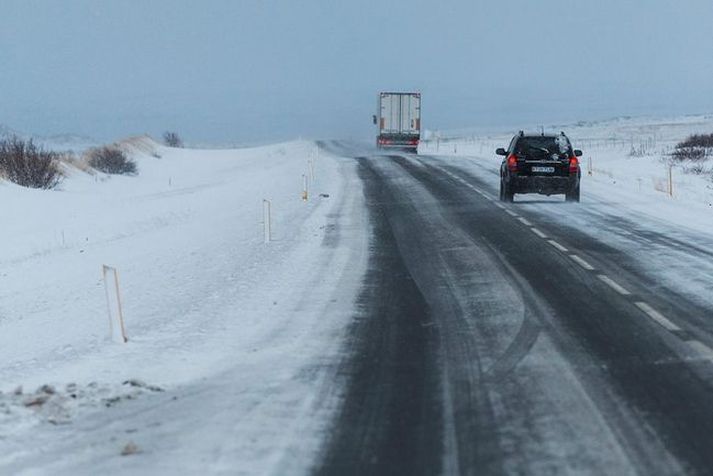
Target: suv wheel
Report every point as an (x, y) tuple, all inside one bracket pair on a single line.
[(506, 195), (573, 196)]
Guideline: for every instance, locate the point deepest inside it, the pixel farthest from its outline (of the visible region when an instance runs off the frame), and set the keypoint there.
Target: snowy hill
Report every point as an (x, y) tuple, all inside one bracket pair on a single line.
[(207, 303)]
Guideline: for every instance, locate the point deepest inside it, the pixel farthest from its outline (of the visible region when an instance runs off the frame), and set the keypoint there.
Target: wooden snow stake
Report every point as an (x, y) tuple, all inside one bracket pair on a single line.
[(109, 272)]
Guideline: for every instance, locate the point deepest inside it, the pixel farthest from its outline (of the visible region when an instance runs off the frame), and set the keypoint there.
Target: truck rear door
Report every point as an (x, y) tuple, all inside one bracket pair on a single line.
[(400, 113)]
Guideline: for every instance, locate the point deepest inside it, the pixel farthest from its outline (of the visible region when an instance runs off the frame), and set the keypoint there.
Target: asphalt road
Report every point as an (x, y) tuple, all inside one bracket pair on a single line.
[(505, 339)]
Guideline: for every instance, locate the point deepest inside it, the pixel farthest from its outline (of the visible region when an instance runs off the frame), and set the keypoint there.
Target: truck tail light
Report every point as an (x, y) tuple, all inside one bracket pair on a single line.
[(573, 165), (512, 163)]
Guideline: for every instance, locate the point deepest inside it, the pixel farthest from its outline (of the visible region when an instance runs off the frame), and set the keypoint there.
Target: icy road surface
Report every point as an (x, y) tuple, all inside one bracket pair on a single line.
[(538, 337)]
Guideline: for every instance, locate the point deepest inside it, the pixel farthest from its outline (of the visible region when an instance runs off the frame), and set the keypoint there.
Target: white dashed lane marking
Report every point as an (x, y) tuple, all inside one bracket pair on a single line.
[(582, 263), (558, 246), (538, 232), (699, 347), (614, 285), (658, 317)]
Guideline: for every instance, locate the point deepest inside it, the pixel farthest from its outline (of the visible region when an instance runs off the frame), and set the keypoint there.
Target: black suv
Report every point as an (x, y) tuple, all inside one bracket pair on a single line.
[(544, 164)]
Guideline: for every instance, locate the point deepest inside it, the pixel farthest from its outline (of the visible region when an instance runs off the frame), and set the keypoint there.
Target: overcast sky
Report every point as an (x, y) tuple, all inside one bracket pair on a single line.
[(257, 70)]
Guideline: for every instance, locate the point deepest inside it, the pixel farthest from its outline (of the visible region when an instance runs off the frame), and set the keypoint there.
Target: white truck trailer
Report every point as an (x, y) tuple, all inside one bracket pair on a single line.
[(398, 118)]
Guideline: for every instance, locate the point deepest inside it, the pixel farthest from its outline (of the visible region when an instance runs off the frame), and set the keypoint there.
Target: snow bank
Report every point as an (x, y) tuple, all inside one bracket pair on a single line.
[(231, 328)]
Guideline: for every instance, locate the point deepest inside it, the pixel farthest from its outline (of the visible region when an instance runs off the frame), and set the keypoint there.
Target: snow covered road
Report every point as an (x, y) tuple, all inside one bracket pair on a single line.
[(539, 337), (402, 322)]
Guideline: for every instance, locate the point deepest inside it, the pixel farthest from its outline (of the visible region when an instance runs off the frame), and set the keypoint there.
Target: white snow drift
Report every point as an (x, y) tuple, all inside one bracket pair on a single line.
[(231, 335)]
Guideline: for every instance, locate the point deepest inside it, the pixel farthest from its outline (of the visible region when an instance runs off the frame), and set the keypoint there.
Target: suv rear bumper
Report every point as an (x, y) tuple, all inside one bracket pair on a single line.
[(544, 185)]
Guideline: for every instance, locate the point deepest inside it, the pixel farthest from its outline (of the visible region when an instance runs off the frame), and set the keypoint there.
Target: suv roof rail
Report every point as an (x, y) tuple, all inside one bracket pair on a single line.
[(521, 133)]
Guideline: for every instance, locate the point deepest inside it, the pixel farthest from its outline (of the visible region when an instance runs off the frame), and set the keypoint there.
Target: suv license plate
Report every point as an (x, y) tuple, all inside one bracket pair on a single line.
[(546, 170)]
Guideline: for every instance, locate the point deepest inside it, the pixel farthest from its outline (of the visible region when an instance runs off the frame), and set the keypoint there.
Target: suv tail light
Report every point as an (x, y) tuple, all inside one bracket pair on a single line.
[(573, 165), (512, 163)]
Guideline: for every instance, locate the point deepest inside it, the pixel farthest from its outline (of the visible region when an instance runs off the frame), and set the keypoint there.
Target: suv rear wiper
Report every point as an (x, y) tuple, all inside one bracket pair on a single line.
[(541, 149)]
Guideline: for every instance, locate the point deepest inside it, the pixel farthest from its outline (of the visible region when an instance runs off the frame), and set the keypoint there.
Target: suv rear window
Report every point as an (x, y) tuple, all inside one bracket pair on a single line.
[(544, 145)]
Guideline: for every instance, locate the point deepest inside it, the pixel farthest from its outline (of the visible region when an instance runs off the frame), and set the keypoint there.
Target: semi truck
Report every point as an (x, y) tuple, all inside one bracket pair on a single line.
[(398, 119)]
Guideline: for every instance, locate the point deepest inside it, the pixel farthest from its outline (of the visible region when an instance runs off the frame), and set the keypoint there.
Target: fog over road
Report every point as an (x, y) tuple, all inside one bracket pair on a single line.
[(530, 338)]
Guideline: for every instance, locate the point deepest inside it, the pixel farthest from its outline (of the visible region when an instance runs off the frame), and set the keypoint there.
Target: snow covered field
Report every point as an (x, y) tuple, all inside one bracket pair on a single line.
[(233, 343), (219, 323)]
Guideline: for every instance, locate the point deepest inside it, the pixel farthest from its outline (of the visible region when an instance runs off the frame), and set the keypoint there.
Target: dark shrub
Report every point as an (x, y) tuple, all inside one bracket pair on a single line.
[(698, 140), (172, 139), (27, 165), (689, 153), (695, 148), (112, 160)]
